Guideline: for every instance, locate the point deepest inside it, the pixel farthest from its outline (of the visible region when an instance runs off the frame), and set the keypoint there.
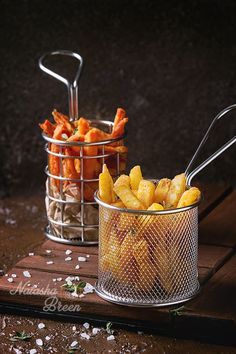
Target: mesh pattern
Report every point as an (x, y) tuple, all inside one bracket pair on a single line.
[(147, 259)]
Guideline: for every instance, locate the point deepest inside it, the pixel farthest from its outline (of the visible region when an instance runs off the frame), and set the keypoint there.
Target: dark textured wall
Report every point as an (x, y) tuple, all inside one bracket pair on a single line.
[(170, 64)]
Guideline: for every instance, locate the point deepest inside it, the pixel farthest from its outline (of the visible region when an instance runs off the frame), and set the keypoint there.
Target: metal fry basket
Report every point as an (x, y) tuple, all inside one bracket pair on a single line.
[(71, 211), (149, 258)]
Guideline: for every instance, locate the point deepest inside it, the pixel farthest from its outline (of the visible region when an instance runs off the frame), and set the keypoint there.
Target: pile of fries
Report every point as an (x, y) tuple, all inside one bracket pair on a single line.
[(134, 192), (141, 250), (82, 131)]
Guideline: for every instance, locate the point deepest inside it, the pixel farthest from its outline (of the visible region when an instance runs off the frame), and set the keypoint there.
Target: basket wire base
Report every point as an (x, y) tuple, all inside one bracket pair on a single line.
[(131, 303), (74, 242)]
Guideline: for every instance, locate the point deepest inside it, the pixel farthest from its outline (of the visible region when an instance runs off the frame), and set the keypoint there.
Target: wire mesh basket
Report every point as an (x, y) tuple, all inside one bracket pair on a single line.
[(71, 210), (149, 258)]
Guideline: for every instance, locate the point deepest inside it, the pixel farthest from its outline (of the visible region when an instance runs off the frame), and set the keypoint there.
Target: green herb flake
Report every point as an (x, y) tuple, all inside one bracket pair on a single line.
[(108, 328), (177, 312), (20, 336)]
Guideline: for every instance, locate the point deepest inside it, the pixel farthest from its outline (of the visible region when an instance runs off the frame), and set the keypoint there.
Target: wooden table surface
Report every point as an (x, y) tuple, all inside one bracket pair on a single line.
[(210, 316)]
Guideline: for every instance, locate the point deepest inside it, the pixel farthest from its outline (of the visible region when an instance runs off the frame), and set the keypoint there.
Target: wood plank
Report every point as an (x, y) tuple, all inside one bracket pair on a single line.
[(219, 228), (217, 298), (88, 268), (212, 195), (213, 257), (51, 245)]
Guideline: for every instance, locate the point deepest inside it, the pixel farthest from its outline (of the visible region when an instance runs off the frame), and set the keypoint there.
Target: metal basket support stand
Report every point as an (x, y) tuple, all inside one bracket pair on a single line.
[(149, 258), (72, 212)]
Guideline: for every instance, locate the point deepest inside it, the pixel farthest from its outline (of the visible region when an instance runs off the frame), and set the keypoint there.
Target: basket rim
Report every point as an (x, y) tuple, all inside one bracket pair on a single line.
[(82, 143), (146, 212)]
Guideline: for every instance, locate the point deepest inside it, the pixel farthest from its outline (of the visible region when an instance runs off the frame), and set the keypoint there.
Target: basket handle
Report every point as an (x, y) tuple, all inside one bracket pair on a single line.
[(223, 148), (72, 87)]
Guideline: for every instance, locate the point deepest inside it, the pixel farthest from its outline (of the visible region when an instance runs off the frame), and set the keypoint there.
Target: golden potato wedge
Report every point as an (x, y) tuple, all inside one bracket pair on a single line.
[(156, 206), (146, 192), (106, 192), (177, 188), (161, 190), (141, 252), (135, 177), (122, 180), (114, 254), (118, 204), (128, 198), (189, 197)]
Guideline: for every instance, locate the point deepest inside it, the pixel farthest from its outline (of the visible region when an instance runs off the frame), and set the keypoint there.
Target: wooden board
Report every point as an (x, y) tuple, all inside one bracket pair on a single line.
[(216, 262)]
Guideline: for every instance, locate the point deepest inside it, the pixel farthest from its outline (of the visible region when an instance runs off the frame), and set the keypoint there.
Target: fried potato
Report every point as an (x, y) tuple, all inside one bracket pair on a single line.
[(106, 192), (189, 197), (146, 192), (135, 177), (122, 180), (140, 251), (156, 206), (118, 204), (128, 198), (177, 188), (114, 254), (161, 190)]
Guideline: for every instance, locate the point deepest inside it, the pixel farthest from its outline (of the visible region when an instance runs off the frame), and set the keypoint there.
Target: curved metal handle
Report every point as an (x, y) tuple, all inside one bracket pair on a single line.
[(192, 174), (72, 87)]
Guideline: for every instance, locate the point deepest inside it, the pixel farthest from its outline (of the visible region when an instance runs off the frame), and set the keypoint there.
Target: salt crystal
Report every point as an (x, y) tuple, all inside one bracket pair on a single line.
[(41, 325), (88, 289), (17, 351), (139, 332), (87, 255), (68, 259), (54, 279), (39, 342), (69, 279), (77, 278), (59, 279), (77, 266), (6, 275), (68, 252), (48, 251), (29, 284), (74, 294), (10, 280), (13, 275), (27, 274), (33, 351), (69, 282), (47, 337), (35, 286), (86, 325), (81, 259), (31, 254), (81, 295), (74, 328), (95, 330), (49, 262), (74, 344), (85, 335), (110, 337)]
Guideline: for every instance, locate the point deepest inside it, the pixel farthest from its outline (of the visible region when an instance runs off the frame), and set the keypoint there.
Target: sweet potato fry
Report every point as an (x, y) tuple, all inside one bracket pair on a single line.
[(82, 126), (47, 127), (63, 120)]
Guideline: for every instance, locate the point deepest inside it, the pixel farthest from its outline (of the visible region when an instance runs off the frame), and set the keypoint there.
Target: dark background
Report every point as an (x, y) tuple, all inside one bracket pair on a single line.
[(170, 64)]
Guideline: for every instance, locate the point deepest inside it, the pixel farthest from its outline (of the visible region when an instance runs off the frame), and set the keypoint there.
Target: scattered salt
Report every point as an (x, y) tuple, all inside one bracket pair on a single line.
[(41, 325), (27, 274), (87, 255), (54, 279), (85, 335), (69, 279), (10, 280), (17, 351), (139, 332), (33, 351), (68, 252), (31, 254), (95, 331), (74, 294), (59, 279), (48, 251), (47, 337), (81, 259), (77, 266), (74, 328), (35, 286), (13, 275), (68, 259), (110, 337), (88, 289), (86, 325), (49, 262), (39, 342), (81, 295), (74, 344)]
